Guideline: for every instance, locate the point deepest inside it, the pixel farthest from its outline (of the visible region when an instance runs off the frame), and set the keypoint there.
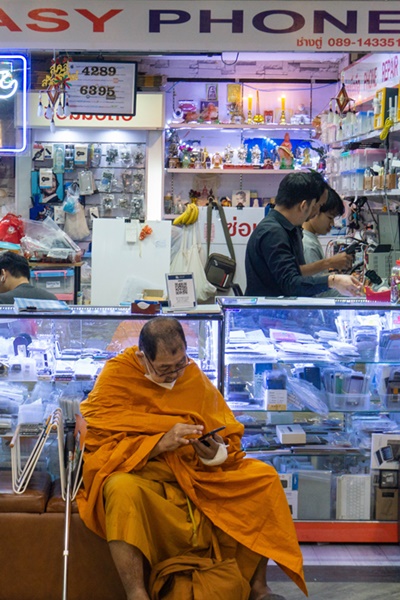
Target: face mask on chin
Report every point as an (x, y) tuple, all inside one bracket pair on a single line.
[(167, 385)]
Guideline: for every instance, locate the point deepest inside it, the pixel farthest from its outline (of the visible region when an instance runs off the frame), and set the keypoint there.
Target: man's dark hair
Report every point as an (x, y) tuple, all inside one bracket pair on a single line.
[(15, 264), (334, 204), (299, 186), (161, 331)]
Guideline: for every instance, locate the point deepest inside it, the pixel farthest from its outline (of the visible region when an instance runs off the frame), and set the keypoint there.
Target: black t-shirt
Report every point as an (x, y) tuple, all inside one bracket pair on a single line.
[(26, 290), (274, 254)]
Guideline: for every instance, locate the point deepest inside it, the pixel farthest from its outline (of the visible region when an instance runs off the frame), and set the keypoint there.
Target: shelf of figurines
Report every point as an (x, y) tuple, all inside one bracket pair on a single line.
[(240, 126), (251, 170)]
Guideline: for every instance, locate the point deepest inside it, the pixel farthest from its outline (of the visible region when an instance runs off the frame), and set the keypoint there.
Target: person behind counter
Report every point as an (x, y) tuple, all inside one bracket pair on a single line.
[(15, 280), (314, 255), (144, 467), (274, 253)]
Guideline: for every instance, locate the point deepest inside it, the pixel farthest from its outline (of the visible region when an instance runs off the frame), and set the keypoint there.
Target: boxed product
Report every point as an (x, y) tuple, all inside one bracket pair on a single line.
[(291, 434), (386, 505), (385, 451), (292, 496), (289, 481)]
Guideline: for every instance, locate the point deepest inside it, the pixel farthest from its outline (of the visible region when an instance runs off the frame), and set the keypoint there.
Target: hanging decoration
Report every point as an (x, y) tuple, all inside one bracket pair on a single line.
[(343, 100), (57, 83)]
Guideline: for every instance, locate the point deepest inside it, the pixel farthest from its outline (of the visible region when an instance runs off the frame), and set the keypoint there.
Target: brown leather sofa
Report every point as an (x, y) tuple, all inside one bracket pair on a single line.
[(32, 544)]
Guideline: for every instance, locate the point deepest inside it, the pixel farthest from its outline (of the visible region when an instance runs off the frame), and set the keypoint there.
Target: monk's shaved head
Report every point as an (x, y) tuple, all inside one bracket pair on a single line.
[(161, 332)]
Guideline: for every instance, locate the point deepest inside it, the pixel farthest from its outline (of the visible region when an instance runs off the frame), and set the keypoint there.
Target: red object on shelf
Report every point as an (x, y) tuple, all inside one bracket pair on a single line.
[(340, 532), (377, 296)]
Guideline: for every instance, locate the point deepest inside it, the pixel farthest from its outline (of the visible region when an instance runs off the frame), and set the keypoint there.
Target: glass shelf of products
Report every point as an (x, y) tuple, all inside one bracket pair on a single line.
[(316, 384), (53, 359)]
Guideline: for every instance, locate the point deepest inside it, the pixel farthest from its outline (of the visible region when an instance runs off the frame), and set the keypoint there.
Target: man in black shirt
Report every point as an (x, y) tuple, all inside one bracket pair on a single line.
[(274, 251), (14, 280)]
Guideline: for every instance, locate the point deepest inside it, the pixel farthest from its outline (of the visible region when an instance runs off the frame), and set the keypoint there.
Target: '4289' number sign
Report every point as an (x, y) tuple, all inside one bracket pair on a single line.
[(103, 88)]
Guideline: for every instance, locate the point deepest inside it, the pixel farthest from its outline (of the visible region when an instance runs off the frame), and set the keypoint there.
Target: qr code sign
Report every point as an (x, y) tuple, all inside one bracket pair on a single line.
[(181, 288)]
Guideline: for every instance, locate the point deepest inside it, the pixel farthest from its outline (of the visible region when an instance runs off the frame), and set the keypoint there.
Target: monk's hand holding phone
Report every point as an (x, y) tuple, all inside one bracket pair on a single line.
[(207, 445)]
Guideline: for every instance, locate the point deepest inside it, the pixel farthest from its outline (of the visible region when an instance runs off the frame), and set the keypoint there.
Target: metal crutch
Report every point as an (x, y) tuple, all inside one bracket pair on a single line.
[(69, 457)]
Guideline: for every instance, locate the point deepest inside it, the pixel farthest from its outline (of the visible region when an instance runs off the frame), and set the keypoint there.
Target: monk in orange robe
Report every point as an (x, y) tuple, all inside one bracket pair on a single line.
[(144, 466)]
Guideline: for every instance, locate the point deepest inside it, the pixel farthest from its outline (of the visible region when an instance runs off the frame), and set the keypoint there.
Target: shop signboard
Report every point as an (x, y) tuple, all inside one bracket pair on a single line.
[(13, 84), (149, 115), (154, 26), (103, 88), (370, 74)]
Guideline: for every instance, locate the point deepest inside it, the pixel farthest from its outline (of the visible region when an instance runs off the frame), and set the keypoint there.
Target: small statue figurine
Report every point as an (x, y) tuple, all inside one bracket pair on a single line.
[(306, 162), (285, 151), (205, 158), (217, 161), (255, 155), (242, 153), (228, 154), (268, 164), (186, 159)]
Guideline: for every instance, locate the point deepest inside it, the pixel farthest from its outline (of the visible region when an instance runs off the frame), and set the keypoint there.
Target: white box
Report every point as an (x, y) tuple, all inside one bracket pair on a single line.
[(291, 434), (293, 500), (289, 481)]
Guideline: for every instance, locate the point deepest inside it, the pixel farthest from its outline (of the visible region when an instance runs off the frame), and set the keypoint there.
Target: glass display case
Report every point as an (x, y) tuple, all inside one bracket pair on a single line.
[(51, 360), (316, 382)]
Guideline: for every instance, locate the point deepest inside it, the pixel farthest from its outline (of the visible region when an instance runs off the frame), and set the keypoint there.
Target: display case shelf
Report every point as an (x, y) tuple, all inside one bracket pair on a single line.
[(267, 391)]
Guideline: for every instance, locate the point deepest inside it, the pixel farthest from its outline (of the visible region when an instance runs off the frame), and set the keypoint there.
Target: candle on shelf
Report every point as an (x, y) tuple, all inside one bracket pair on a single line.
[(249, 102), (258, 102), (283, 99)]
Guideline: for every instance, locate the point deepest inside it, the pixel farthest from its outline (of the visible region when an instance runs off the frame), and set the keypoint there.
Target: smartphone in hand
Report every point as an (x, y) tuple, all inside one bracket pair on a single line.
[(203, 438)]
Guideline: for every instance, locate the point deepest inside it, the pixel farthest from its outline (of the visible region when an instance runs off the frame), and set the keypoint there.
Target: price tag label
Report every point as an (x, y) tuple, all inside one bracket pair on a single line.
[(103, 88)]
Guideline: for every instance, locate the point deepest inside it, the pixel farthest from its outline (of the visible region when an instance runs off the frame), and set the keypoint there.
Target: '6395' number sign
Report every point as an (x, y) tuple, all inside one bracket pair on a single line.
[(103, 88)]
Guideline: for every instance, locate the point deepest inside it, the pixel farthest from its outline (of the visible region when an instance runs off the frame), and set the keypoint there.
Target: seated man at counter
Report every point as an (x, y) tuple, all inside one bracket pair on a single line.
[(15, 280), (274, 253), (144, 466), (314, 255)]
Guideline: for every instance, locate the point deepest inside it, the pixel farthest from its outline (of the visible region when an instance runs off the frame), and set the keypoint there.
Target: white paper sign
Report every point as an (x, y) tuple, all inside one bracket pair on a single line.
[(181, 292)]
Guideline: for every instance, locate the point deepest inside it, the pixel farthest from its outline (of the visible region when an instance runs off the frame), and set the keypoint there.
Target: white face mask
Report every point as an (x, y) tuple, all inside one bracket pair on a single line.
[(167, 385)]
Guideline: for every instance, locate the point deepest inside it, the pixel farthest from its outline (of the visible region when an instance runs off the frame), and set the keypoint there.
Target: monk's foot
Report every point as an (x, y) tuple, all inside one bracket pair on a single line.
[(263, 592)]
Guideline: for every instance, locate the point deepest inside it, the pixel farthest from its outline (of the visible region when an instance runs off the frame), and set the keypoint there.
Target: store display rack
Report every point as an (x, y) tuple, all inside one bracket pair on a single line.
[(279, 358)]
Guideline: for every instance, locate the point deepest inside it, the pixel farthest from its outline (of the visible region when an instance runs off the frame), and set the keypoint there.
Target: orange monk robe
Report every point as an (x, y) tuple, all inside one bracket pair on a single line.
[(127, 415)]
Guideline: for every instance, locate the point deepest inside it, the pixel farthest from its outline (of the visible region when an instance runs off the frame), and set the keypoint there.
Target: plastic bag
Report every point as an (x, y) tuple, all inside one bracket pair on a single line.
[(75, 224), (45, 241), (11, 229), (189, 260)]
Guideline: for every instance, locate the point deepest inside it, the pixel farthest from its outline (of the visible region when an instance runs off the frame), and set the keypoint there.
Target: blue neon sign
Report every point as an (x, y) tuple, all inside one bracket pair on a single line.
[(13, 103)]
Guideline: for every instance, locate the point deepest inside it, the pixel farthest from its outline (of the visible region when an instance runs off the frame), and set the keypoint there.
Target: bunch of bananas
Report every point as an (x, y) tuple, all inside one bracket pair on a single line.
[(189, 216)]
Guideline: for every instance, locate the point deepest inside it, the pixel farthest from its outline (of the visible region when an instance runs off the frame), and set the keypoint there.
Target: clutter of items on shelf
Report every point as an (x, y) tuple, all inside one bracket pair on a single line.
[(41, 241)]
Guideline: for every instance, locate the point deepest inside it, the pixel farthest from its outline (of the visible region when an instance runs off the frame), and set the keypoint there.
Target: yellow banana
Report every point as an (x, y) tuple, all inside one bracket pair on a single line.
[(180, 219), (195, 214), (192, 214), (189, 212)]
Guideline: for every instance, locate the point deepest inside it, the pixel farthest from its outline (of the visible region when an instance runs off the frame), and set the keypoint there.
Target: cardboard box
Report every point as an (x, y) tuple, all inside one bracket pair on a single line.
[(291, 434), (153, 295), (386, 505), (293, 500)]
